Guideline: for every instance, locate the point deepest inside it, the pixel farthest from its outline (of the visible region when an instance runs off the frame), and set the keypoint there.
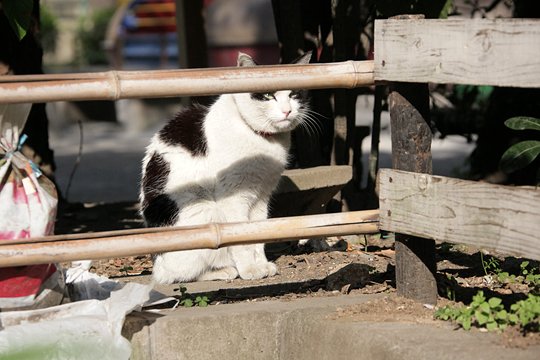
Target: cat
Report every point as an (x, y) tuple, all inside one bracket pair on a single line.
[(219, 164)]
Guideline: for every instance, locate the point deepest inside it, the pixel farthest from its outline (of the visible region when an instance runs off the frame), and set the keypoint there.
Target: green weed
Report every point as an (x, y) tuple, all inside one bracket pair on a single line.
[(490, 313), (187, 300)]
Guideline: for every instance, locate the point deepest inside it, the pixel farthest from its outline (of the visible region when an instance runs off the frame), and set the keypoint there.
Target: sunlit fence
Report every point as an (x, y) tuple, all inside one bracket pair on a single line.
[(419, 207)]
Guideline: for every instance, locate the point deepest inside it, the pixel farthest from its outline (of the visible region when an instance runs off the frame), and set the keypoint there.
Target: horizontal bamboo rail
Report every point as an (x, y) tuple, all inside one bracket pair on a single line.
[(114, 85), (59, 248)]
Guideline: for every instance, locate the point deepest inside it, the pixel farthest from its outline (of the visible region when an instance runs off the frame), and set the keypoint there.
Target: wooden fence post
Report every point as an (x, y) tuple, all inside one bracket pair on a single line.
[(411, 151)]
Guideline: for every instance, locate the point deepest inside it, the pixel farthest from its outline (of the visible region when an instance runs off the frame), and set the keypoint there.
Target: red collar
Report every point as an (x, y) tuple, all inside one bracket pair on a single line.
[(265, 135)]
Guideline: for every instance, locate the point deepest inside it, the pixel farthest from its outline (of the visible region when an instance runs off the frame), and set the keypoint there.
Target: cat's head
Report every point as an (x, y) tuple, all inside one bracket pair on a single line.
[(273, 112)]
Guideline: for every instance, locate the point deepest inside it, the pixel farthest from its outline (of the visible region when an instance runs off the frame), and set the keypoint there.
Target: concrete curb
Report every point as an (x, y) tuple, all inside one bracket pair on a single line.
[(302, 329)]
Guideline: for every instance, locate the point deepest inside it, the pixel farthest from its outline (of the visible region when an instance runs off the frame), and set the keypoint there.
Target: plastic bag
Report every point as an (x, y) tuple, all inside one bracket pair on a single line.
[(89, 329), (28, 203)]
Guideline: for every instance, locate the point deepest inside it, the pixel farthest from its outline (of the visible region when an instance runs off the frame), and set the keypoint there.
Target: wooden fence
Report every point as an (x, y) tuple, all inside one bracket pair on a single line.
[(408, 53)]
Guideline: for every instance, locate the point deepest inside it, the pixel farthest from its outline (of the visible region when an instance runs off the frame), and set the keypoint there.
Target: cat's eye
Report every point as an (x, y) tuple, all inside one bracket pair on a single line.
[(269, 96)]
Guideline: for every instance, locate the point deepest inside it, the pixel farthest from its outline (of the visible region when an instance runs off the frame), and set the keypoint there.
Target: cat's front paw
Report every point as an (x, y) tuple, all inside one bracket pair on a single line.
[(257, 271)]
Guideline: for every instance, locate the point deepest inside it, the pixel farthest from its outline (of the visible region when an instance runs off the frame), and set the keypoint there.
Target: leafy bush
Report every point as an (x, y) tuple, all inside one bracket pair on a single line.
[(48, 31), (90, 36)]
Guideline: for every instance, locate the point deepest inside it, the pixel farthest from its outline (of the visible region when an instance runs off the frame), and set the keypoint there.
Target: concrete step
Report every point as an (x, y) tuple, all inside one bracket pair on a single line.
[(308, 191), (303, 329)]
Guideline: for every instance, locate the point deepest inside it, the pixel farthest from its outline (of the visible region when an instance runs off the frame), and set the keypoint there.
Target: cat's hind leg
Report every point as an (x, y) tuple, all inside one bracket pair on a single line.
[(190, 265)]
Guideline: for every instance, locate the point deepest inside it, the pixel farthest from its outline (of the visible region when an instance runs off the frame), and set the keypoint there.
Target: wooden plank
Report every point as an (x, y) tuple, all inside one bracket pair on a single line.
[(501, 52), (501, 218)]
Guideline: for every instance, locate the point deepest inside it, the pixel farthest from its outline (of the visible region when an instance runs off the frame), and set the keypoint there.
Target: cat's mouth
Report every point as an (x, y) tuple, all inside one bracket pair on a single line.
[(283, 123)]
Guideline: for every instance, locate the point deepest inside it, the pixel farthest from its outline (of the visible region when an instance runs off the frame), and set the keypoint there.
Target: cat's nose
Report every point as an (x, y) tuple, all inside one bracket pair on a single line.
[(286, 112)]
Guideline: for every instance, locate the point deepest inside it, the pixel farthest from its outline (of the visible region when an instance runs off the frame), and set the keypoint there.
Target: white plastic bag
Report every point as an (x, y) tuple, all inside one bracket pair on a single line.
[(89, 329)]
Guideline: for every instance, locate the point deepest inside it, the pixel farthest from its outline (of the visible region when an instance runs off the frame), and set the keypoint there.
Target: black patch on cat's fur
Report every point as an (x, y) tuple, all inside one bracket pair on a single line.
[(301, 95), (260, 96), (186, 130), (157, 208), (161, 211), (157, 169)]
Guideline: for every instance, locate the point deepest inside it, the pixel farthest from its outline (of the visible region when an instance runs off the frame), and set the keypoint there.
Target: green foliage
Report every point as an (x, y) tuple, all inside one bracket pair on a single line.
[(490, 313), (484, 313), (525, 152), (449, 290), (472, 96), (490, 265), (202, 301), (528, 275), (531, 277), (432, 9), (48, 31), (520, 155), (523, 123), (19, 15), (187, 300), (527, 312), (90, 36)]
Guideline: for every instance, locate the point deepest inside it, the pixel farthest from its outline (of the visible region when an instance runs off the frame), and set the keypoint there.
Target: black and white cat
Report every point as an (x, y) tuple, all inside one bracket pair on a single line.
[(219, 164)]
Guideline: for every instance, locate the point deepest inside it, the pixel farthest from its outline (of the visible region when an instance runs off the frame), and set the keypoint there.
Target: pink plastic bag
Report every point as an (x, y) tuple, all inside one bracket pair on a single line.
[(28, 203)]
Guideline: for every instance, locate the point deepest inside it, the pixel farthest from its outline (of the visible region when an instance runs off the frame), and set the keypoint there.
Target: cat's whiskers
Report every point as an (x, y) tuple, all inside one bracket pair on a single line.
[(311, 124)]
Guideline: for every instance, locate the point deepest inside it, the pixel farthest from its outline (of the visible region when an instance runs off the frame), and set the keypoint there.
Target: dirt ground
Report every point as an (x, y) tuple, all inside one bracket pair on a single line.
[(349, 265)]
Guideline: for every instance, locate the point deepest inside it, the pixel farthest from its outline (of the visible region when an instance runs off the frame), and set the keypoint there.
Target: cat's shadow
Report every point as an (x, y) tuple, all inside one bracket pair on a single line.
[(351, 276), (236, 175)]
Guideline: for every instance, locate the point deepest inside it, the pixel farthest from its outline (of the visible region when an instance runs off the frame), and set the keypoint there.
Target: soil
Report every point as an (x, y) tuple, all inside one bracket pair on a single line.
[(346, 265)]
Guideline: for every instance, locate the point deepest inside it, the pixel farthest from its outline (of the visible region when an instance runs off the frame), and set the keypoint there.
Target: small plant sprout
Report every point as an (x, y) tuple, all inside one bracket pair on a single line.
[(202, 301), (186, 299)]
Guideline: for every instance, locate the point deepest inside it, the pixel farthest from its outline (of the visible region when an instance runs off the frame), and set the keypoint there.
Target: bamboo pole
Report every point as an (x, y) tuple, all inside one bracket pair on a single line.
[(114, 85), (102, 245)]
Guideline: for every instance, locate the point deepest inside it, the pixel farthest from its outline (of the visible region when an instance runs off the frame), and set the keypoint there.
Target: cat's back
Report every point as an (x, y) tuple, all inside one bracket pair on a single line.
[(183, 133)]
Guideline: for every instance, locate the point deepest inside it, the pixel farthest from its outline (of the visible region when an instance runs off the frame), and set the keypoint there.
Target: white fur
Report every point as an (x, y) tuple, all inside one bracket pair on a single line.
[(233, 183)]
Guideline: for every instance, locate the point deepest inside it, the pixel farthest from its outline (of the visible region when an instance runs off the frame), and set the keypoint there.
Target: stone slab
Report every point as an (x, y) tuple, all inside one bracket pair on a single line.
[(302, 329)]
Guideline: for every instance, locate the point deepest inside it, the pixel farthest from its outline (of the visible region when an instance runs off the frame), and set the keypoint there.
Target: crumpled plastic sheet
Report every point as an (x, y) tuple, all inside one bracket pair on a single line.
[(86, 329)]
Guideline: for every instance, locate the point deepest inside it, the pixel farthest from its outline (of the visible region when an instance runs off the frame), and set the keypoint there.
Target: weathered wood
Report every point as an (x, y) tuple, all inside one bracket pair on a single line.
[(411, 150), (501, 52), (505, 219), (114, 85), (62, 248), (411, 135)]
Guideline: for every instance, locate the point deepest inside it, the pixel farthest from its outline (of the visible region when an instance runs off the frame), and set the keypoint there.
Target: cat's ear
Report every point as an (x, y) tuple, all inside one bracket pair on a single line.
[(303, 59), (245, 60)]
